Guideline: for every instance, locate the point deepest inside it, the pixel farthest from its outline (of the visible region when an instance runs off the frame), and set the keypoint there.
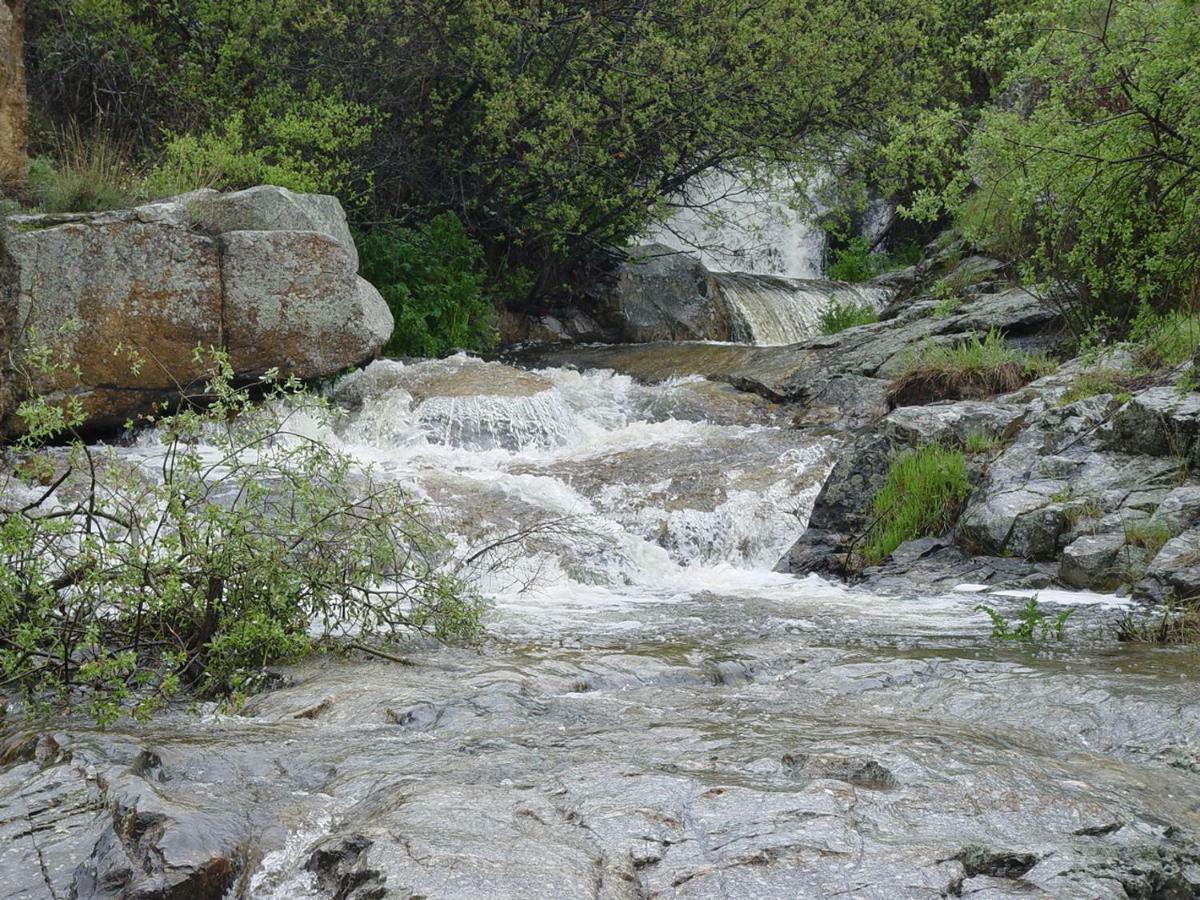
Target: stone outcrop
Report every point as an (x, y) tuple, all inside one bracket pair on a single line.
[(849, 370), (1098, 493), (124, 298), (661, 294), (14, 104)]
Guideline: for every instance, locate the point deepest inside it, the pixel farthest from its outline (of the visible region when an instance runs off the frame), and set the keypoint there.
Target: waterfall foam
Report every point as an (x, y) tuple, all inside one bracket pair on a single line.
[(641, 496)]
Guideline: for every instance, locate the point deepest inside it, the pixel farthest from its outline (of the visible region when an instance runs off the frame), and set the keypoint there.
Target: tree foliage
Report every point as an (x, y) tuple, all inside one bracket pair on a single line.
[(1090, 167), (236, 541), (554, 129)]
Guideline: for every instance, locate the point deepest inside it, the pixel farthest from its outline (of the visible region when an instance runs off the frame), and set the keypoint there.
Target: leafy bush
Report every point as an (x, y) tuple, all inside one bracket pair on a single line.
[(839, 316), (553, 132), (854, 262), (432, 277), (237, 542), (972, 368), (1030, 624), (920, 497), (857, 262), (1090, 173)]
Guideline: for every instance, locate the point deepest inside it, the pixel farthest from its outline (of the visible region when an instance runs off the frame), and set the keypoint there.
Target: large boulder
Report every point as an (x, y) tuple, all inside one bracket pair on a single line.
[(152, 284), (664, 295)]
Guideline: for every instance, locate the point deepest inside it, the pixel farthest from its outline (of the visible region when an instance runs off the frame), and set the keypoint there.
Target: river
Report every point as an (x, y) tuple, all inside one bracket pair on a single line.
[(654, 712)]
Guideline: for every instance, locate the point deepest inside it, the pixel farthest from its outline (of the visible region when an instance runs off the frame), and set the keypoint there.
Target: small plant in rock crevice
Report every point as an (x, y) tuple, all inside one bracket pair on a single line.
[(1097, 382), (1177, 623), (1147, 534), (920, 497), (1031, 623), (839, 316), (979, 443)]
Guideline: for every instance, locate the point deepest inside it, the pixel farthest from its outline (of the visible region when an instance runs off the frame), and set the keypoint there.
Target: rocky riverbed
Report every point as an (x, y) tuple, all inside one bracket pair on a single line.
[(660, 708)]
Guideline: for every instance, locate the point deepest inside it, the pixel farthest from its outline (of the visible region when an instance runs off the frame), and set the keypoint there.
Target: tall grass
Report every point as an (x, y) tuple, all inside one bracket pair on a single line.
[(839, 316), (920, 497), (84, 173), (1161, 340)]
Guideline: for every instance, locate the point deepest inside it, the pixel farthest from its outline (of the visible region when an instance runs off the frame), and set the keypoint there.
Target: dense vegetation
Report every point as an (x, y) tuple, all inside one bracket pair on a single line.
[(554, 131), (1061, 135), (236, 543), (920, 497)]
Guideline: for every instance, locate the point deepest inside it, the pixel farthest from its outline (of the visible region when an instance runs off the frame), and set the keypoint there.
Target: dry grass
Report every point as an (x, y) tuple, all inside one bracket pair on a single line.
[(1178, 624)]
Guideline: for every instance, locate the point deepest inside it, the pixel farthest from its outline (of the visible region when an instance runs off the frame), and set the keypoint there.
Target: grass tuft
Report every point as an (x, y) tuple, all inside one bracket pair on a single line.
[(1102, 381), (970, 370), (1162, 340), (920, 497), (1149, 535), (1178, 624), (84, 174), (981, 442), (839, 316)]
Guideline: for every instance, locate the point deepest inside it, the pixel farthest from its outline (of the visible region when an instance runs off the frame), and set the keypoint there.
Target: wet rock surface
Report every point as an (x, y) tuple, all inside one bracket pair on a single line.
[(662, 716), (662, 294), (779, 745)]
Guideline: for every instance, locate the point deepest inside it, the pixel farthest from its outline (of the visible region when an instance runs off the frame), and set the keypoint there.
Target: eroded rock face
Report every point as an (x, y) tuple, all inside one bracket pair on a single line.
[(1084, 494), (267, 274)]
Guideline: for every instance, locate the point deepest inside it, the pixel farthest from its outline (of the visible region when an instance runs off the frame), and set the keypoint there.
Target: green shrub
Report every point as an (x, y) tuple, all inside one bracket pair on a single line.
[(854, 262), (433, 278), (839, 316), (920, 497), (1030, 624), (972, 368), (240, 544), (857, 262), (1091, 176)]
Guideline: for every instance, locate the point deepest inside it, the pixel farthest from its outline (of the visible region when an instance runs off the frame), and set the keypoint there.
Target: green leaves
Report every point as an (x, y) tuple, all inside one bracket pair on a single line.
[(237, 541), (1094, 162), (433, 278), (1030, 624), (920, 497)]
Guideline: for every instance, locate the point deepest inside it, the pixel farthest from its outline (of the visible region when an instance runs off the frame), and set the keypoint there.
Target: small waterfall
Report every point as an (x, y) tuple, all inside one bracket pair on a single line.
[(732, 226), (769, 310)]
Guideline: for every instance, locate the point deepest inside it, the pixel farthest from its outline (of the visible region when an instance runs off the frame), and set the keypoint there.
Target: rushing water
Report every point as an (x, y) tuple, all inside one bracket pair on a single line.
[(654, 712), (769, 310), (734, 227)]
